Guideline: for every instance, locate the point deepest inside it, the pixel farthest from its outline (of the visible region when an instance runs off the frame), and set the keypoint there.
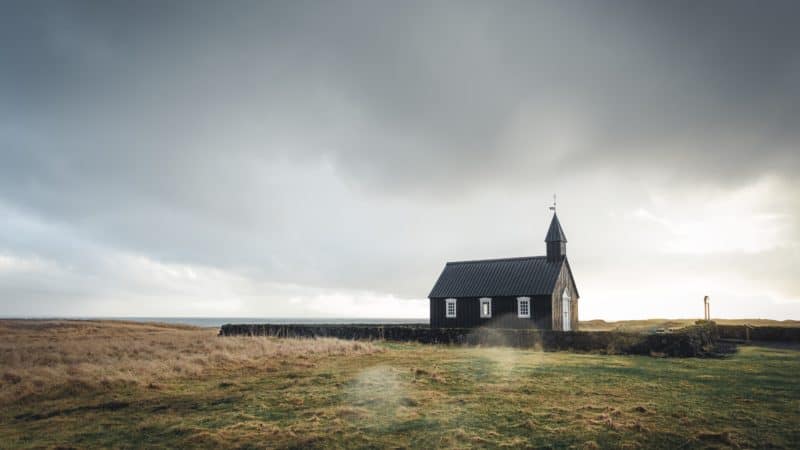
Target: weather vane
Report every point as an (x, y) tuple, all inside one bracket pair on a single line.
[(553, 208)]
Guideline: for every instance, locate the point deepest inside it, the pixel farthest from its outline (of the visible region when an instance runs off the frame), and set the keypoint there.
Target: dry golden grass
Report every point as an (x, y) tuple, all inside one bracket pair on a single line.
[(59, 357)]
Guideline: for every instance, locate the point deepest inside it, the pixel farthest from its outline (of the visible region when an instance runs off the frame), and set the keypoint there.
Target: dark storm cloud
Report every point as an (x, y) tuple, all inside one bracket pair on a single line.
[(399, 92), (302, 138)]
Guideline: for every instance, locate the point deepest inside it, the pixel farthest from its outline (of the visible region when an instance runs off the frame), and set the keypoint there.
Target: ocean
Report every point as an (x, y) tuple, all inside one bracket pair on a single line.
[(216, 322)]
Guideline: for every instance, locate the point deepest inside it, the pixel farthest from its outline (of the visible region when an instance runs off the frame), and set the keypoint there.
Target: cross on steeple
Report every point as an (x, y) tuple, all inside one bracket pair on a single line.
[(553, 208)]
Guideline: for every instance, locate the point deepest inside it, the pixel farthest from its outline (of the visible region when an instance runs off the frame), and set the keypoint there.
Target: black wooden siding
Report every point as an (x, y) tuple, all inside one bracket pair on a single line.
[(504, 313)]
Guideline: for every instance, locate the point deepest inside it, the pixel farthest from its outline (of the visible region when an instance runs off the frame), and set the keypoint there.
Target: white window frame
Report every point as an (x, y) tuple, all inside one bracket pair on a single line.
[(519, 307), (484, 301), (447, 303)]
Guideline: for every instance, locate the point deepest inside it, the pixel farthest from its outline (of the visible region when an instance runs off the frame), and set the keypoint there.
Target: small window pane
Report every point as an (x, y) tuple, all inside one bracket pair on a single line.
[(523, 307), (450, 308)]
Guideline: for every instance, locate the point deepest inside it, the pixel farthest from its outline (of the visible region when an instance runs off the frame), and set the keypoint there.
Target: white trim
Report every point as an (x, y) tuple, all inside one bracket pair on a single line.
[(528, 307), (485, 301), (447, 303), (566, 311)]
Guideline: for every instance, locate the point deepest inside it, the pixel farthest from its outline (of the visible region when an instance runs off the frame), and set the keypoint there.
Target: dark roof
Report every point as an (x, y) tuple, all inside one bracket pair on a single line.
[(555, 233), (532, 275)]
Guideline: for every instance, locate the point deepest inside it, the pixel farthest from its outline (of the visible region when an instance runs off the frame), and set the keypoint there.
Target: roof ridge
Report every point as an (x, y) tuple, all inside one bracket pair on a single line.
[(473, 261)]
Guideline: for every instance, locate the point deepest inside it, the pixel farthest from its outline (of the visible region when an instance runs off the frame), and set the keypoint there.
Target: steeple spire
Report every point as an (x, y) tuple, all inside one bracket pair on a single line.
[(556, 239)]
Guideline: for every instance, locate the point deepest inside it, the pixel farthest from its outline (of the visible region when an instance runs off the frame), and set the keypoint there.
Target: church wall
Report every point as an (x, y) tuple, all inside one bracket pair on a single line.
[(504, 313), (564, 281)]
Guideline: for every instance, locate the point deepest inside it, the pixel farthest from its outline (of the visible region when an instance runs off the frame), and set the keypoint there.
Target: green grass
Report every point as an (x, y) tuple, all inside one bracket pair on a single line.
[(429, 396)]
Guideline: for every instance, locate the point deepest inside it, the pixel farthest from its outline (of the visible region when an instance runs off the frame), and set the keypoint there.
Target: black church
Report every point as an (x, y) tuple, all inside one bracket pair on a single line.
[(526, 292)]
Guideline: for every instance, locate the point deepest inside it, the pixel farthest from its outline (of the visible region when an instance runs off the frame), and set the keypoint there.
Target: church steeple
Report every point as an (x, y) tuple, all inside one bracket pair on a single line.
[(556, 239)]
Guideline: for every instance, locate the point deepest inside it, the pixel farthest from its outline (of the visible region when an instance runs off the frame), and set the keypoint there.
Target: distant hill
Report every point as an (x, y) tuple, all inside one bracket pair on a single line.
[(652, 324)]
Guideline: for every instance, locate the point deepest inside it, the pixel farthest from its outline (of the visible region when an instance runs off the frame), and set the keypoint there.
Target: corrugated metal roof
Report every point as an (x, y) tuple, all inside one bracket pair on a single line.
[(555, 232), (532, 275)]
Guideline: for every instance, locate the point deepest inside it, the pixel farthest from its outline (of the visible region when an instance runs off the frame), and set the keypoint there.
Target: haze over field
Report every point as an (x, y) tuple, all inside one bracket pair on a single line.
[(325, 160)]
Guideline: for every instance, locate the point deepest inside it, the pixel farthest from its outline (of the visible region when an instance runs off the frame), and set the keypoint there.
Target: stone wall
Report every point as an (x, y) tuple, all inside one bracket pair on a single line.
[(696, 340), (751, 333)]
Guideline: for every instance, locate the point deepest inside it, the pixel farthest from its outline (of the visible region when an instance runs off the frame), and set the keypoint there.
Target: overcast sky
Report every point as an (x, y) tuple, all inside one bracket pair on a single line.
[(318, 159)]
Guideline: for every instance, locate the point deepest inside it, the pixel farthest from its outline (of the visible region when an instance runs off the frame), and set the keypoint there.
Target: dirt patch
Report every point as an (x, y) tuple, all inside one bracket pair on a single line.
[(405, 401), (723, 437)]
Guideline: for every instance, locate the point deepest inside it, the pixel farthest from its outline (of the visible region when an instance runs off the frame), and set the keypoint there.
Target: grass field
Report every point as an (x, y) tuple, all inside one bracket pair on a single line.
[(102, 384)]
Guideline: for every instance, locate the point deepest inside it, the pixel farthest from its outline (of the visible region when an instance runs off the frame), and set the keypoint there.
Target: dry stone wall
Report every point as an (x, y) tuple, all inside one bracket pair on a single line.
[(751, 333), (696, 340)]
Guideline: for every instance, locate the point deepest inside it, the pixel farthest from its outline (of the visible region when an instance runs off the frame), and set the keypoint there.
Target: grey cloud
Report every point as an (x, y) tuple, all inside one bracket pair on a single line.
[(398, 92)]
